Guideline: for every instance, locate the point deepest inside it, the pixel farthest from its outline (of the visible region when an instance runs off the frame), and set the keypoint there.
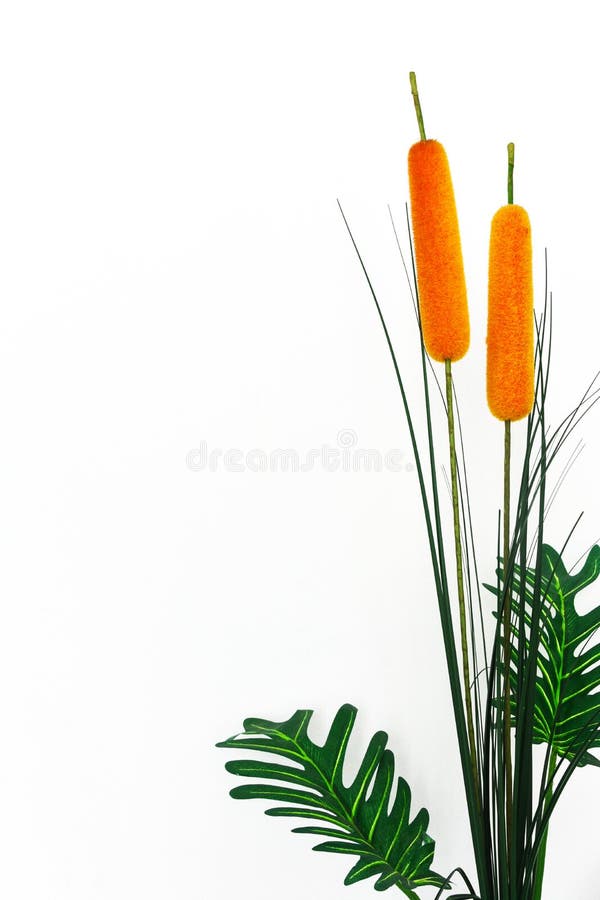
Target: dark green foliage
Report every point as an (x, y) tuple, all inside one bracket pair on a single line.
[(356, 819), (567, 710)]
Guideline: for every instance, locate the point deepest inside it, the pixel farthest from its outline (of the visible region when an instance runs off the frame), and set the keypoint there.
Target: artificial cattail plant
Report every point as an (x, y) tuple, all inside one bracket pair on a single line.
[(529, 675)]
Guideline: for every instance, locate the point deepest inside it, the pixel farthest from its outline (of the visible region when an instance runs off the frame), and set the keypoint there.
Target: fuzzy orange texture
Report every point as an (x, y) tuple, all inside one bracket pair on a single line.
[(438, 253), (510, 352)]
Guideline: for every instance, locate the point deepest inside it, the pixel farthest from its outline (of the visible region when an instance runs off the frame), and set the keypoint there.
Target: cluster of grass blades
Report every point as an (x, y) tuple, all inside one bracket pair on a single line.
[(536, 663)]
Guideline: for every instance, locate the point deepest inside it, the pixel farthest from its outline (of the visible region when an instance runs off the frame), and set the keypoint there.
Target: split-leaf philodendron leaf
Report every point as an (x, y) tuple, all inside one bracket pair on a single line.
[(355, 819), (567, 710)]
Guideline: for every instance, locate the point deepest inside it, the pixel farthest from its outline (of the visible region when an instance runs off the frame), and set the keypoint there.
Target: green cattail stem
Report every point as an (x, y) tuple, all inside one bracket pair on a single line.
[(506, 630), (459, 578), (507, 586), (511, 166), (419, 112)]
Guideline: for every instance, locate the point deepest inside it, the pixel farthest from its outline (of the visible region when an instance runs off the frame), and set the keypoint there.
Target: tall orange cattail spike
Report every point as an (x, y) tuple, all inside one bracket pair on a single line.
[(438, 253), (445, 329), (510, 353)]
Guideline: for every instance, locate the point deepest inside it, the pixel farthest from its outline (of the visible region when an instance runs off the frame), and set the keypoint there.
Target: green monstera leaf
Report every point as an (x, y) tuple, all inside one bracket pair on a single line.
[(355, 819), (567, 708)]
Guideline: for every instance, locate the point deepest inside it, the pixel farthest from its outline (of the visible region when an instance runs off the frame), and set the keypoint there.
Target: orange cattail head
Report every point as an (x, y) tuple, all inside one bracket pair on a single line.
[(438, 254), (510, 354)]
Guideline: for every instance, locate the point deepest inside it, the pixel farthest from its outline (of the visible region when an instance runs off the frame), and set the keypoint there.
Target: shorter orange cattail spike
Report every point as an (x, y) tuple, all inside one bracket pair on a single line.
[(438, 253), (510, 354)]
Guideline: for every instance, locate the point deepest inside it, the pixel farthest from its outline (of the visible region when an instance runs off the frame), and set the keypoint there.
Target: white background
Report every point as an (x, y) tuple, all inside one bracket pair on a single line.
[(174, 270)]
